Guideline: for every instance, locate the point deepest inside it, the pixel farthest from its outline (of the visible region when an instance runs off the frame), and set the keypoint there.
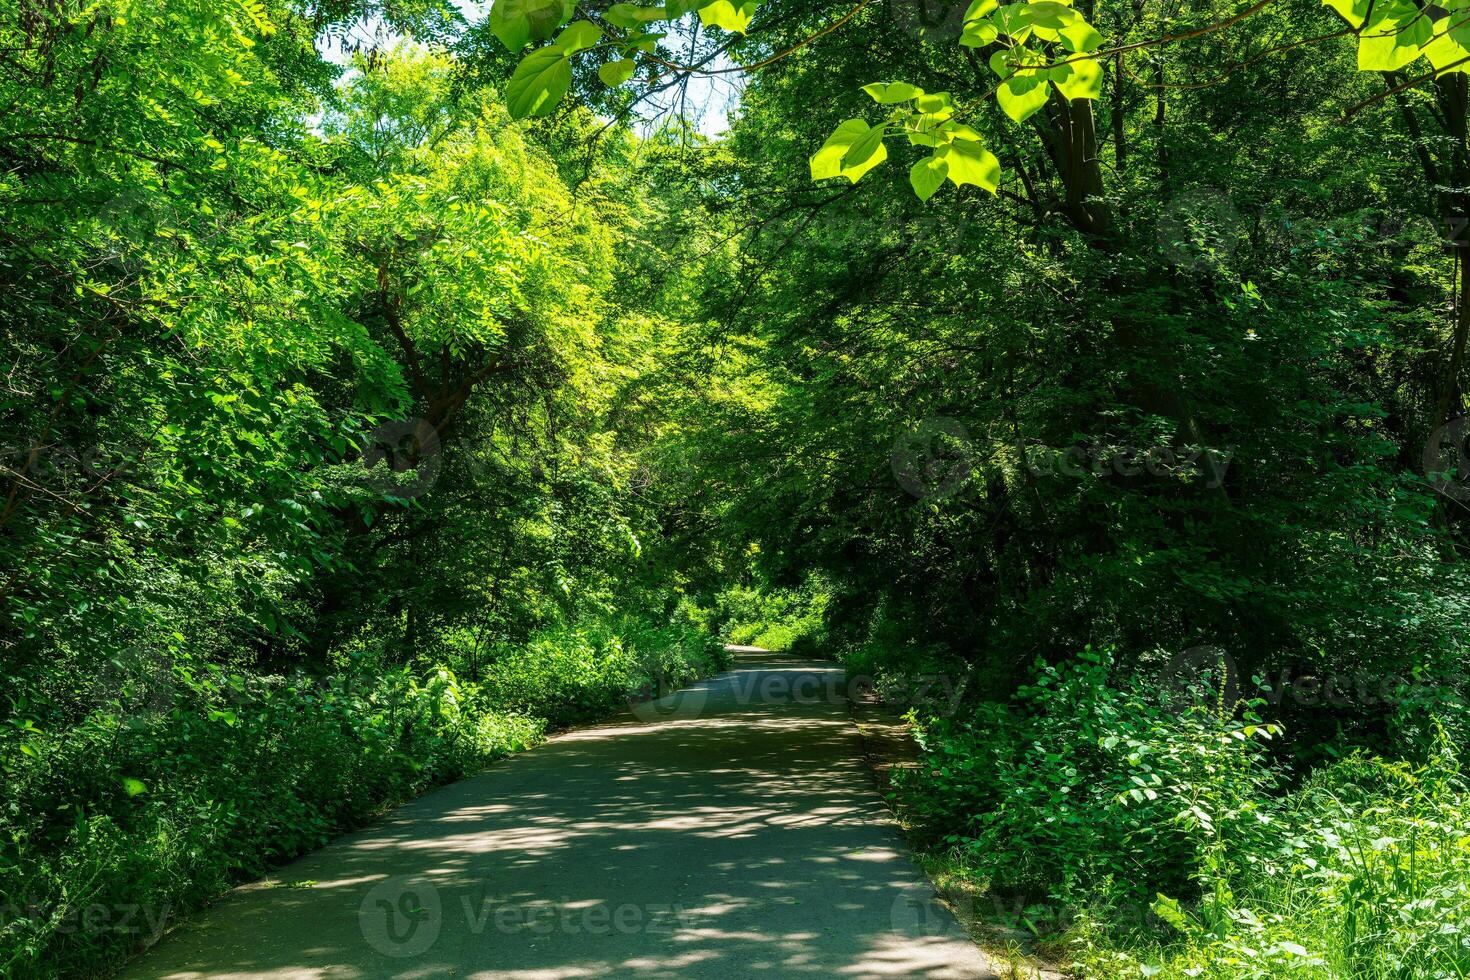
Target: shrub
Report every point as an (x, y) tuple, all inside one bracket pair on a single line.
[(1369, 876), (776, 619), (161, 812), (1091, 787)]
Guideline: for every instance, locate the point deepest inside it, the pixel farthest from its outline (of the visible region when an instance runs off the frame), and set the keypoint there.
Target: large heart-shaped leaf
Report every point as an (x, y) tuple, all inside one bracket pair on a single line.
[(892, 93), (1352, 11), (538, 84), (631, 17), (615, 73), (970, 163), (837, 158), (519, 22), (1078, 79), (1395, 35), (1449, 52), (730, 15), (578, 37), (927, 175)]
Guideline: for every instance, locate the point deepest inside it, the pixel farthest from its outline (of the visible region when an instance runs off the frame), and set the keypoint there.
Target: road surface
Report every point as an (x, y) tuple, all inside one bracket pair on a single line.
[(729, 830)]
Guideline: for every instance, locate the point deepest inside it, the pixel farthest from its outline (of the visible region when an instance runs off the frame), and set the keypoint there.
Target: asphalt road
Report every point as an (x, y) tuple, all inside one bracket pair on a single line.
[(728, 831)]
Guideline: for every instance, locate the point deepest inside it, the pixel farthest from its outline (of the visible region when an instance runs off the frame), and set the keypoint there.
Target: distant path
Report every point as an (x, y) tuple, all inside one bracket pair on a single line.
[(726, 831)]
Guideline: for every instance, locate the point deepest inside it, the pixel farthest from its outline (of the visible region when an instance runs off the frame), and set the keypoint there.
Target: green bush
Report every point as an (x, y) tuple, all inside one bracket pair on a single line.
[(1091, 788), (776, 619), (570, 674), (1157, 831), (162, 812), (1369, 876)]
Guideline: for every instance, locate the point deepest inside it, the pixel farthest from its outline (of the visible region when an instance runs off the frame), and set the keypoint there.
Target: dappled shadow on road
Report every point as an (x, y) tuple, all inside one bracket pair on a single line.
[(729, 833)]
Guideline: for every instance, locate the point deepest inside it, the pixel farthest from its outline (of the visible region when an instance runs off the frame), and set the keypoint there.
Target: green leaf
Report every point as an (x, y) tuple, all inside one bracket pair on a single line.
[(886, 93), (1047, 18), (728, 15), (933, 103), (832, 159), (631, 16), (518, 22), (538, 84), (1078, 79), (578, 37), (1395, 36), (1352, 11), (863, 148), (979, 33), (1025, 89), (1014, 21), (615, 73), (1080, 37), (970, 163), (1449, 52), (927, 175), (1023, 95), (979, 8), (133, 786)]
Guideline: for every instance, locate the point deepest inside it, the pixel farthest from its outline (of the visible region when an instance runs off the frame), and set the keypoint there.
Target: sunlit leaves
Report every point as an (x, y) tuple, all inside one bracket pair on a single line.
[(1025, 87), (578, 37), (615, 73), (927, 176), (979, 33), (864, 152), (631, 17), (924, 119), (851, 151), (517, 23), (970, 163), (539, 83), (729, 15), (1394, 36), (935, 105), (1449, 51), (1352, 11), (1080, 79), (885, 93), (541, 80), (1395, 33)]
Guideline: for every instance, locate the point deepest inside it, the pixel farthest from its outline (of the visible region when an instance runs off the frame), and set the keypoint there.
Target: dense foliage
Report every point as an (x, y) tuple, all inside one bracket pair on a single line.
[(371, 408)]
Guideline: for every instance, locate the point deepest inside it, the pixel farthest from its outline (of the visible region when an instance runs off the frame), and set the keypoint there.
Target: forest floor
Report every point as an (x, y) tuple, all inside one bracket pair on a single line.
[(730, 829)]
